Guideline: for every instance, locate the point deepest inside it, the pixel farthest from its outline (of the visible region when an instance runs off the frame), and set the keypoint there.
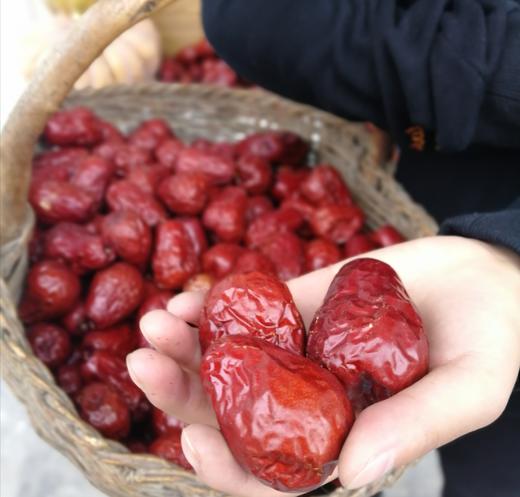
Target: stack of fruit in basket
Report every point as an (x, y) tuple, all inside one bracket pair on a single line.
[(126, 222), (199, 63)]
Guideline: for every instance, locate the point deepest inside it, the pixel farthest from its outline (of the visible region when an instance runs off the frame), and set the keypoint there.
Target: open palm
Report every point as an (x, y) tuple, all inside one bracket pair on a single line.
[(467, 293)]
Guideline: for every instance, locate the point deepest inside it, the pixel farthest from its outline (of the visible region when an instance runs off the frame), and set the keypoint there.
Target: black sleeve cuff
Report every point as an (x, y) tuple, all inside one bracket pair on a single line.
[(499, 228)]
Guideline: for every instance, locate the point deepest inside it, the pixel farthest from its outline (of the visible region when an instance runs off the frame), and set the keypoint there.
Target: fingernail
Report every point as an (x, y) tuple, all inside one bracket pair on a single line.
[(190, 452), (375, 468), (131, 366)]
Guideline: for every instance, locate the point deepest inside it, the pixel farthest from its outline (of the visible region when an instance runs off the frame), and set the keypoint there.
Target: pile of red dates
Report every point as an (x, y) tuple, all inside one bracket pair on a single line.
[(286, 398), (124, 222), (199, 63)]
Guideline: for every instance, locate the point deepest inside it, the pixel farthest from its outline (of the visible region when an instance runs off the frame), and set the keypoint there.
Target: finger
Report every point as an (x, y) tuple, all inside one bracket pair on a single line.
[(173, 337), (187, 306), (208, 453), (449, 402), (169, 387)]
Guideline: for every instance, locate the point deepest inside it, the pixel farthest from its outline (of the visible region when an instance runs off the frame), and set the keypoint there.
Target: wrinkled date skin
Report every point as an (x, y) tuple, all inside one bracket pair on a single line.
[(35, 247), (76, 321), (119, 340), (148, 177), (220, 259), (272, 224), (112, 371), (57, 165), (168, 446), (174, 260), (196, 234), (358, 244), (163, 423), (108, 150), (194, 64), (129, 236), (150, 134), (75, 245), (67, 159), (114, 293), (337, 223), (136, 447), (69, 379), (219, 170), (368, 333), (51, 291), (284, 418), (288, 181), (254, 174), (127, 157), (217, 72), (386, 235), (226, 215), (184, 193), (325, 185), (280, 147), (104, 409), (125, 195), (168, 152), (93, 176), (55, 201), (257, 206), (253, 304), (109, 132), (78, 126), (320, 253), (299, 204), (50, 343), (251, 260), (153, 302), (286, 253)]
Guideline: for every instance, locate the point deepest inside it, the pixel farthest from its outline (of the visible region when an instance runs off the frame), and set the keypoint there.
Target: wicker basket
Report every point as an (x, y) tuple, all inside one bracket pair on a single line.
[(194, 111)]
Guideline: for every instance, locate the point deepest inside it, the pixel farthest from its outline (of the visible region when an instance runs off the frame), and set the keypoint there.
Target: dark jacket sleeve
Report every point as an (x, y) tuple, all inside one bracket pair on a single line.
[(435, 73), (499, 228)]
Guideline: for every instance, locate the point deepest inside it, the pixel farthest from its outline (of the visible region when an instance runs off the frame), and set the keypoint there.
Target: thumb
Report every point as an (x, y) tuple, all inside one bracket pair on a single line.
[(450, 401)]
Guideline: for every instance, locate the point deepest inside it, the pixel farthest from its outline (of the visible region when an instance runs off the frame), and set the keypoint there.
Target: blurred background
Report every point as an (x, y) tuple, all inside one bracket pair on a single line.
[(158, 49)]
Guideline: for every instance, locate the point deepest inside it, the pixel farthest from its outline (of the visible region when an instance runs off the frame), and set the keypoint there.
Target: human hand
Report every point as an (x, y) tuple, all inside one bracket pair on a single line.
[(467, 294)]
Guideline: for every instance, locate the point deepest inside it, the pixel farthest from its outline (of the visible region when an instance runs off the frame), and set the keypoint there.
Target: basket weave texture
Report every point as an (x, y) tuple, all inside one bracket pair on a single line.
[(193, 112)]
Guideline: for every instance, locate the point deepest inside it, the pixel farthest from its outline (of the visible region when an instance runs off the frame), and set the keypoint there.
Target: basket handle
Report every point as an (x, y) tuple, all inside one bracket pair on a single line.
[(55, 77)]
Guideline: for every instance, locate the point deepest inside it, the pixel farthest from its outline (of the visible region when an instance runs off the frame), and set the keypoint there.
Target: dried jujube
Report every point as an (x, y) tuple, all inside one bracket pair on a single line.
[(254, 304), (103, 408), (51, 291), (369, 333), (168, 446), (174, 260), (283, 417), (114, 294)]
